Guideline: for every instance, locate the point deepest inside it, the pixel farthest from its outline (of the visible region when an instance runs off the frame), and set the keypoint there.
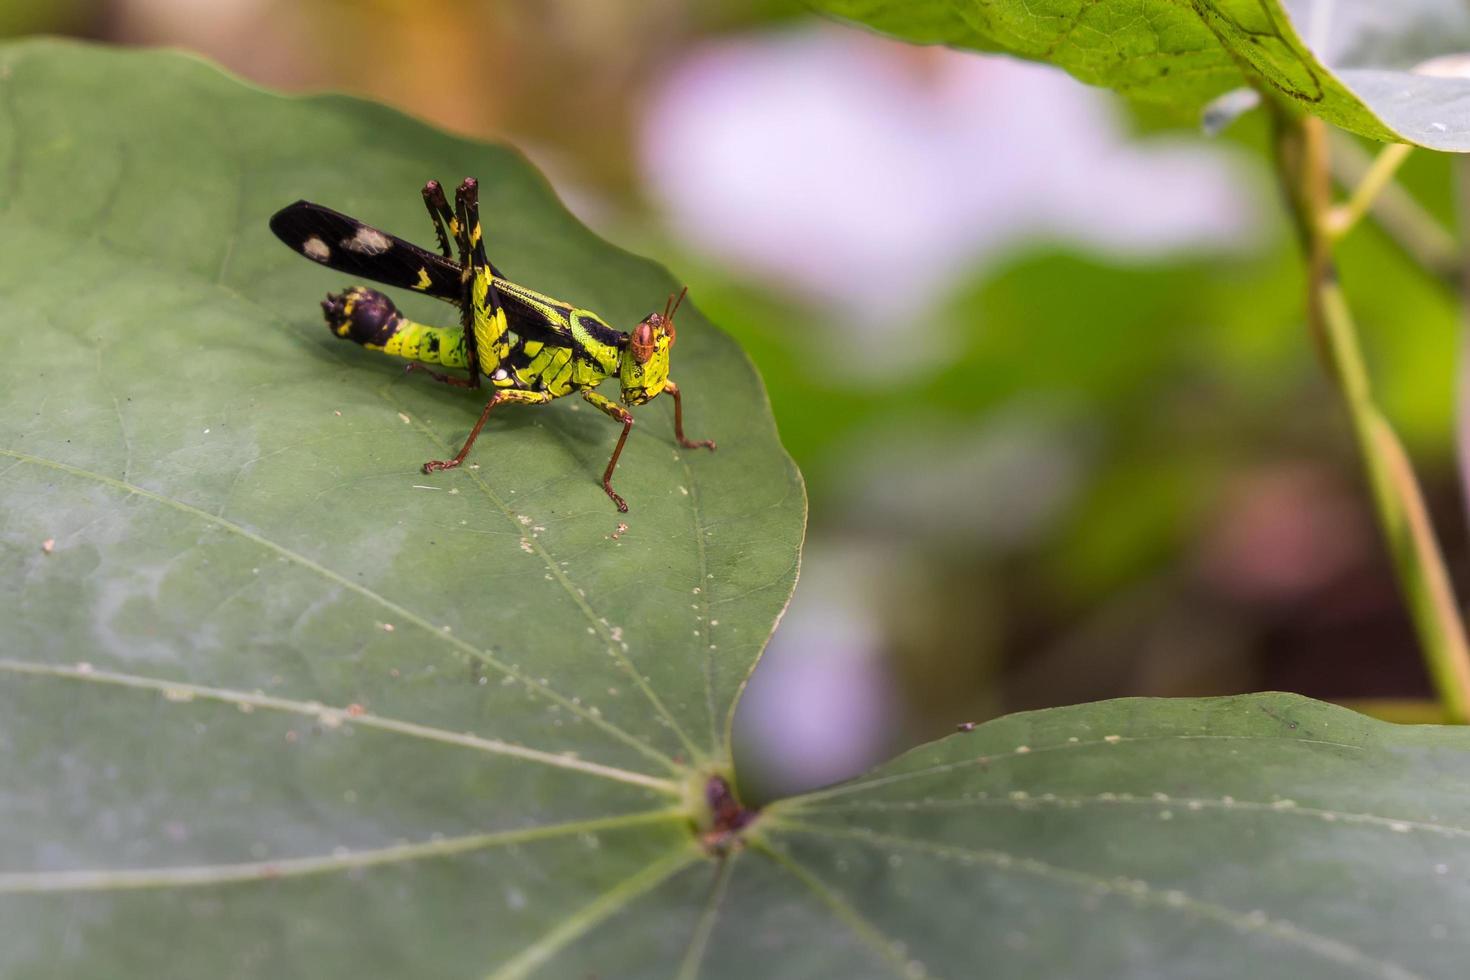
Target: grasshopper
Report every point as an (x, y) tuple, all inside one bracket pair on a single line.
[(531, 347)]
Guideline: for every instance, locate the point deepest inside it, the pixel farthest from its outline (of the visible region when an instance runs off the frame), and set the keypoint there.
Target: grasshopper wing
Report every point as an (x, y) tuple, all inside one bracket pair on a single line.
[(338, 242)]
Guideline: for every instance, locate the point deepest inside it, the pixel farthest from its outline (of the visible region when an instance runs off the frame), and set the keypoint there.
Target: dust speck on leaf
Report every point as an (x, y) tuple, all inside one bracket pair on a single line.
[(49, 545)]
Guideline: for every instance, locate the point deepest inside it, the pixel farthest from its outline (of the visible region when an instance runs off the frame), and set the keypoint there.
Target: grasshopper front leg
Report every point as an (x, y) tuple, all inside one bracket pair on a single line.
[(673, 389), (617, 413), (499, 398)]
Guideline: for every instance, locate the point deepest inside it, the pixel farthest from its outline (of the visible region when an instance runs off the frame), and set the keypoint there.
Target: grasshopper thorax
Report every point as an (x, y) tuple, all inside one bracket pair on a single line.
[(643, 365)]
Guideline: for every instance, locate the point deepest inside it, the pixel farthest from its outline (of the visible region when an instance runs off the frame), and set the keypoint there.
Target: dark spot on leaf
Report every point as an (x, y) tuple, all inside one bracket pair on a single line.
[(727, 817)]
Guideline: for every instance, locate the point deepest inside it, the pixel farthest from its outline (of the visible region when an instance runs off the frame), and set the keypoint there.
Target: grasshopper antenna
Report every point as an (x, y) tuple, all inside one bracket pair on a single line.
[(671, 306)]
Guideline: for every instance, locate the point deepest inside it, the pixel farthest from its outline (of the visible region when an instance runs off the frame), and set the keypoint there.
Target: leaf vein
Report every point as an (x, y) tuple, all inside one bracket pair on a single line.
[(334, 717), (47, 882), (842, 789), (574, 926), (401, 612), (559, 575), (1254, 922), (1026, 801), (889, 949)]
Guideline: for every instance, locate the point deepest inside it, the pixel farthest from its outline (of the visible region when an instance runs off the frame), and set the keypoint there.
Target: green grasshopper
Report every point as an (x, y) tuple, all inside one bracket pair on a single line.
[(533, 348)]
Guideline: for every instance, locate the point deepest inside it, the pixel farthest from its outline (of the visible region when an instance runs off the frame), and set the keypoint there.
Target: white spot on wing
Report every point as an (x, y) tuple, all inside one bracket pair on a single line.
[(368, 241), (315, 248), (500, 374)]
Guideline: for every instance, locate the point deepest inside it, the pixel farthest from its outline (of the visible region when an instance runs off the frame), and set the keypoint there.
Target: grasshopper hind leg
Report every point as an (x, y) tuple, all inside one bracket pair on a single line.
[(445, 227), (414, 367)]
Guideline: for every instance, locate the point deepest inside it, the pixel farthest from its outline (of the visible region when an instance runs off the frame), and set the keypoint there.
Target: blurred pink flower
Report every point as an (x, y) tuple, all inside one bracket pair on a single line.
[(823, 706), (867, 174)]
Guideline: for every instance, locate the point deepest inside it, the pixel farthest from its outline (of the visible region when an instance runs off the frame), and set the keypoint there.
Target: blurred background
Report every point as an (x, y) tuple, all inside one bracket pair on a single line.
[(1039, 352)]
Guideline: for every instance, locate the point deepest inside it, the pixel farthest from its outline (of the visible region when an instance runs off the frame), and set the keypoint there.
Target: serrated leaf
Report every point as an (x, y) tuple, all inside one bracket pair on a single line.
[(1349, 61)]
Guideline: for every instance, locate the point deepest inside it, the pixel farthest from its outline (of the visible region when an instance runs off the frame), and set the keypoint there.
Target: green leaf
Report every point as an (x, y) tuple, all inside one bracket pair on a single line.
[(215, 759), (1260, 836), (214, 525), (1357, 73)]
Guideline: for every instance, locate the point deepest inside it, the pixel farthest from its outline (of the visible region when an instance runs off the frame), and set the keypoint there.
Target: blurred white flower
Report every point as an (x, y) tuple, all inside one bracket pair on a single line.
[(869, 175)]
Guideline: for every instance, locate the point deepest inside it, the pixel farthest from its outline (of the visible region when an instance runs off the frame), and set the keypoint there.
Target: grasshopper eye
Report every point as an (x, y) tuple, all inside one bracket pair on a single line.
[(641, 343)]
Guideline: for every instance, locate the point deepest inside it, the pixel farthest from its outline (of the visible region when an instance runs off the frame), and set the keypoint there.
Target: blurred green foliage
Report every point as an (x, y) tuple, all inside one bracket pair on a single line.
[(1174, 376), (18, 17)]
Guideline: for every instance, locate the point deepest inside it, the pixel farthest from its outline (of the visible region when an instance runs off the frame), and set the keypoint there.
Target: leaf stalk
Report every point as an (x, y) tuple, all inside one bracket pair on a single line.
[(1302, 161), (1342, 218)]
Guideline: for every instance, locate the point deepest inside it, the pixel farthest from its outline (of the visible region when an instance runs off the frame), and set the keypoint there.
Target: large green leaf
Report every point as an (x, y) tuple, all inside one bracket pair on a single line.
[(1356, 73), (1262, 836), (217, 760), (214, 525)]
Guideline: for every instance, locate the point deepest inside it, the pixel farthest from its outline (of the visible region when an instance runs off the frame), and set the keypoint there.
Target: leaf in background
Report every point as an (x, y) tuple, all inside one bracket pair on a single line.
[(1357, 73)]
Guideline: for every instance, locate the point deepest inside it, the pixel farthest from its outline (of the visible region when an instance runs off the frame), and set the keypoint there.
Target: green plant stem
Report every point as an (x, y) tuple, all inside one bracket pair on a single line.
[(1394, 210), (1418, 562), (1342, 219)]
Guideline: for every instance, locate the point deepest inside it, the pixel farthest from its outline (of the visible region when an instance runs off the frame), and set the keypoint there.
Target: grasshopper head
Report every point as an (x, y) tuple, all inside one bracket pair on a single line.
[(644, 368)]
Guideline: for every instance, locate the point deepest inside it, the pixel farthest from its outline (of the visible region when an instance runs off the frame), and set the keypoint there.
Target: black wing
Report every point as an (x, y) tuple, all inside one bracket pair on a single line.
[(347, 245)]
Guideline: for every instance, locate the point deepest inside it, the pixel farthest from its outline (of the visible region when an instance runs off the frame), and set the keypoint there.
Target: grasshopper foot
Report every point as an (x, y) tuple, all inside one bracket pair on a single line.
[(435, 465), (613, 494)]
